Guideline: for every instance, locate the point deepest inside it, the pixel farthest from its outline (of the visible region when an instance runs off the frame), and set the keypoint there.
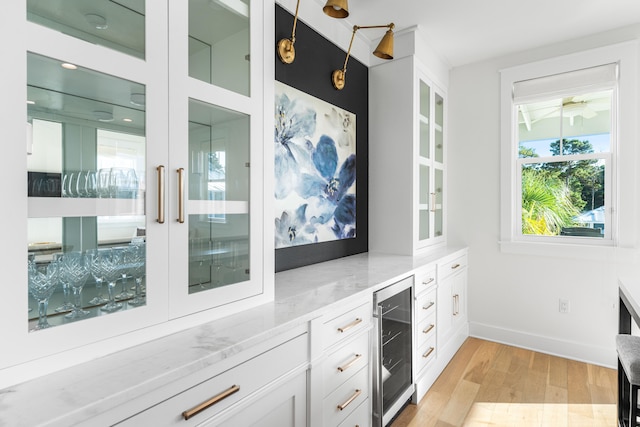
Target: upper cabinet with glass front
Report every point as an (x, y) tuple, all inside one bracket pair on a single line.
[(137, 193), (407, 151)]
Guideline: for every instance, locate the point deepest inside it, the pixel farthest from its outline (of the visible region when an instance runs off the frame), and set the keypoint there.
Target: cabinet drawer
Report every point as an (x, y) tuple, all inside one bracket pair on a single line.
[(426, 352), (425, 329), (345, 362), (343, 325), (426, 305), (235, 383), (360, 417), (337, 406), (425, 279), (447, 268)]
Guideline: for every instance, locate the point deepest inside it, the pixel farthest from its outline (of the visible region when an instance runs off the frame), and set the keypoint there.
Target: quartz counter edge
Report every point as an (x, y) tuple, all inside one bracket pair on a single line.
[(82, 392)]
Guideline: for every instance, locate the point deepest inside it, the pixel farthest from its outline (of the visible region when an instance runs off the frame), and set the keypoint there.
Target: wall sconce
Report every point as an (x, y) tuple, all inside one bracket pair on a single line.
[(333, 8), (286, 51), (384, 51), (336, 8)]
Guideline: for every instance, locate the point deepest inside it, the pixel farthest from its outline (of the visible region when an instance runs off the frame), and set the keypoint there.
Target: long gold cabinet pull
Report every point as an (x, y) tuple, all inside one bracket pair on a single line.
[(350, 363), (429, 281), (350, 325), (181, 195), (209, 403), (160, 170), (429, 328), (351, 399), (454, 266)]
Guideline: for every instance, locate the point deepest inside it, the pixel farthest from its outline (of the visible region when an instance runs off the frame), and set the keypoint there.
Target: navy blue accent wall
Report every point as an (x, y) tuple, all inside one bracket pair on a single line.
[(316, 58)]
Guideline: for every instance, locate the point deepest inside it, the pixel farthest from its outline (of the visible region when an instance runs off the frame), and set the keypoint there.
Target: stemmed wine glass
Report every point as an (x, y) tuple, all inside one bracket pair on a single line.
[(74, 270), (95, 267), (66, 289), (110, 260), (125, 270), (42, 282), (135, 258), (102, 183)]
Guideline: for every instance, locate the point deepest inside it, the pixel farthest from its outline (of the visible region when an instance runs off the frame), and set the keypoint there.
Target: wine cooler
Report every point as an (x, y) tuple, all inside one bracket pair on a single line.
[(393, 348)]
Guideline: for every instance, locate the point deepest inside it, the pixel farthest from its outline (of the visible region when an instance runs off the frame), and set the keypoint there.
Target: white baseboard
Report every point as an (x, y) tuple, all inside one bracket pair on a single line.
[(568, 349)]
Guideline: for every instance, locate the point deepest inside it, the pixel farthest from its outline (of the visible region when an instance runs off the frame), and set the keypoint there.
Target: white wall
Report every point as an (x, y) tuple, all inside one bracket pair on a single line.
[(514, 298)]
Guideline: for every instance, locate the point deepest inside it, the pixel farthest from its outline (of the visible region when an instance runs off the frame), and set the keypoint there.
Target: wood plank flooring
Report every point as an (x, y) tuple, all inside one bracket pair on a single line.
[(491, 384)]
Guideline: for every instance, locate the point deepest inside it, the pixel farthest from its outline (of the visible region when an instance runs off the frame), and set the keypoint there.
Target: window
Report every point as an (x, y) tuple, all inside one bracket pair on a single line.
[(562, 141)]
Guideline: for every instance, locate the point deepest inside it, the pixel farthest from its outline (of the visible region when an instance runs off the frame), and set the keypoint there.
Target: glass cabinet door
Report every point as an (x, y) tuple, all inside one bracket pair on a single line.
[(87, 84), (214, 118), (430, 155)]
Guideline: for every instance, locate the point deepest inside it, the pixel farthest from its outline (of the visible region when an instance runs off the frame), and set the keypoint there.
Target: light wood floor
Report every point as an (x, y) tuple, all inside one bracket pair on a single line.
[(491, 384)]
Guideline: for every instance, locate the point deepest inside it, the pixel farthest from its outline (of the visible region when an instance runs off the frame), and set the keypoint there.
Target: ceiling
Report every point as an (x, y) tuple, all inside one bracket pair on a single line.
[(468, 31)]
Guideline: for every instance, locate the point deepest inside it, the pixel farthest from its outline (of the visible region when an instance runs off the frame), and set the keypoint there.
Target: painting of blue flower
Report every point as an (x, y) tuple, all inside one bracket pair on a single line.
[(315, 170)]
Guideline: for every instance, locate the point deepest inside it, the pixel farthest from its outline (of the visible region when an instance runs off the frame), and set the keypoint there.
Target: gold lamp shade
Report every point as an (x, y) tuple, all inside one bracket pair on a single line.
[(385, 47), (336, 8)]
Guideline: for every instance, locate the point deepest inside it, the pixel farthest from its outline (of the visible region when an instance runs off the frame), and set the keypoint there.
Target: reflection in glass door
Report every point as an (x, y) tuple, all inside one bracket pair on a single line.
[(86, 187)]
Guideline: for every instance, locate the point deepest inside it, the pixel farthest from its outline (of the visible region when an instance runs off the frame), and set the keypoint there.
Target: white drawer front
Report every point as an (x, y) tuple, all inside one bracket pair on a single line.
[(426, 353), (360, 417), (345, 362), (238, 382), (425, 279), (426, 329), (447, 268), (346, 324), (426, 305), (345, 399)]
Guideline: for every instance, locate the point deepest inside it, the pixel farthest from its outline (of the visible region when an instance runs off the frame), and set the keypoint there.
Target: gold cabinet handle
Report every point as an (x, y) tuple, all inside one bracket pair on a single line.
[(428, 353), (350, 363), (160, 170), (454, 266), (350, 325), (429, 281), (433, 202), (456, 304), (208, 403), (181, 195), (431, 326), (351, 399), (428, 306)]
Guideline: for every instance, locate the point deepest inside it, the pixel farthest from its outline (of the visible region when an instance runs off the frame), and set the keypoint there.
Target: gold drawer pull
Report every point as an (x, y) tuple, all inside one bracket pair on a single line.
[(350, 325), (350, 363), (427, 282), (208, 403), (428, 353), (428, 306), (431, 326), (180, 195), (351, 399), (454, 266)]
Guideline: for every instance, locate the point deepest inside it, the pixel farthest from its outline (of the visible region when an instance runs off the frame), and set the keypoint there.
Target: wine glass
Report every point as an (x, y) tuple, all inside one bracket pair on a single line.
[(42, 282), (74, 269), (95, 267), (125, 267), (135, 258), (110, 260), (102, 183), (67, 305)]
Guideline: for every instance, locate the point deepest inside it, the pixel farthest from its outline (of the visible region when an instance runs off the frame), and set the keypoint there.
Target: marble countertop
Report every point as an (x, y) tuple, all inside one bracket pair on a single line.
[(629, 290), (77, 394)]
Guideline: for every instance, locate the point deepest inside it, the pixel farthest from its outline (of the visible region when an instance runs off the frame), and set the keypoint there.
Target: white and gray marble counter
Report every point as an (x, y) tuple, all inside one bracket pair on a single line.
[(77, 394)]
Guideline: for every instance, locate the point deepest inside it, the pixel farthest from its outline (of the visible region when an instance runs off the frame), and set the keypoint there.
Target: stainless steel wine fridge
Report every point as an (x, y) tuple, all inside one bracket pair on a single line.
[(393, 349)]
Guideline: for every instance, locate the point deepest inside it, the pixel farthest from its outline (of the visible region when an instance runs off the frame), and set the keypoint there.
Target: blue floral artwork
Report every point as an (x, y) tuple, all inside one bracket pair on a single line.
[(315, 170)]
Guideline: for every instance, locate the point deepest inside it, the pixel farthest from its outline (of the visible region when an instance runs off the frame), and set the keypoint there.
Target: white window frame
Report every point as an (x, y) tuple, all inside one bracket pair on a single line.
[(620, 166)]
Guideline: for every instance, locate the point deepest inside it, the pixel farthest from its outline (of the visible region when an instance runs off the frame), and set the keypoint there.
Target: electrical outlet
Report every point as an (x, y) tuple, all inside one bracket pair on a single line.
[(563, 305)]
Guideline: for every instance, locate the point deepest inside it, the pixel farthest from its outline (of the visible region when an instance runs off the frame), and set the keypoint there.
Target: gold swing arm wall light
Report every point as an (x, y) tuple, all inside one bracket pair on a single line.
[(333, 8), (384, 51)]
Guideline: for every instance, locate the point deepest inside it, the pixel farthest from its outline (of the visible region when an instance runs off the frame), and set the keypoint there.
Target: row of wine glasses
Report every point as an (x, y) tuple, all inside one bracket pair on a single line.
[(71, 270), (114, 182)]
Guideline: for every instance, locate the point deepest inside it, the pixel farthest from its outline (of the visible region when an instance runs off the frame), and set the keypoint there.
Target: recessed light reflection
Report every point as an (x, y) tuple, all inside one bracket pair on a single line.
[(31, 102), (127, 120), (69, 66)]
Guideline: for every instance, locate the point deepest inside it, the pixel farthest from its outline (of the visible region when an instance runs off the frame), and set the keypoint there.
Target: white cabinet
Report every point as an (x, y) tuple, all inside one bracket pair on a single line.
[(426, 327), (271, 385), (341, 380), (452, 302), (132, 133), (407, 151)]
